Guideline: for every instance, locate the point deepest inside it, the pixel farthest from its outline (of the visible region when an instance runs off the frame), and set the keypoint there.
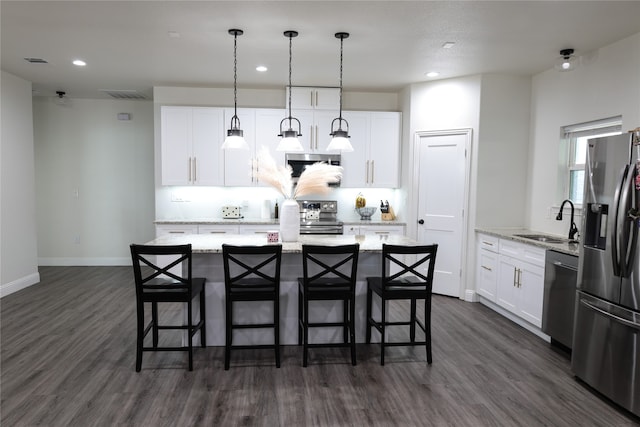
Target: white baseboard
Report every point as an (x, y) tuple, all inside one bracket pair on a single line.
[(471, 296), (515, 319), (16, 285), (83, 262)]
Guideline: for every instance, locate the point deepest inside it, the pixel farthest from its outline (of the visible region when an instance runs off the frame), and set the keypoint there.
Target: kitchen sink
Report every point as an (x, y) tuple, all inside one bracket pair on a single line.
[(541, 238)]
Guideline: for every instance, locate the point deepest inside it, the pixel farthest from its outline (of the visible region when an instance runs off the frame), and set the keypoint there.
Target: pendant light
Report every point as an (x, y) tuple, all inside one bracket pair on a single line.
[(289, 141), (235, 139), (340, 137), (567, 61)]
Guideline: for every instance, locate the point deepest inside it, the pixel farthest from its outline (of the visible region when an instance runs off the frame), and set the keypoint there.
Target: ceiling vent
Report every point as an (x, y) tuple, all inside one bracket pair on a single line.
[(36, 60), (124, 94)]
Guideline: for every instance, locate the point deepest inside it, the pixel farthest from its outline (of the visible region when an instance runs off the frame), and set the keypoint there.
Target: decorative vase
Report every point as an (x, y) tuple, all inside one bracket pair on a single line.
[(289, 221)]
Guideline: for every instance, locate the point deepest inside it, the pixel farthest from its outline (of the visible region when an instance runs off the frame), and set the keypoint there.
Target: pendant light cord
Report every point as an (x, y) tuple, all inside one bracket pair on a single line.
[(341, 42), (290, 54), (235, 74)]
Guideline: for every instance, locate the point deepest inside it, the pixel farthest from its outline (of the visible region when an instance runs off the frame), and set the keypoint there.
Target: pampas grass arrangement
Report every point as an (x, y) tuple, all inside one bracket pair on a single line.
[(315, 179)]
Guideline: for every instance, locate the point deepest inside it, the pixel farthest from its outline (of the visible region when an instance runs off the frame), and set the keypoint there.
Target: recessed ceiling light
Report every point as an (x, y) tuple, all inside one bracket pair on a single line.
[(432, 74), (79, 63), (261, 68), (448, 45), (174, 34)]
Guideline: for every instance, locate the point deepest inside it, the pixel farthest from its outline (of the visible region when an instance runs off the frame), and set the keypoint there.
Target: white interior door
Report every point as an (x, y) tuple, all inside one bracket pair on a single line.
[(442, 193)]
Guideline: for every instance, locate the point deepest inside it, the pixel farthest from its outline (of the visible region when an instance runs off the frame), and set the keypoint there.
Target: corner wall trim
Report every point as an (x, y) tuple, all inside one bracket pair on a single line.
[(16, 285), (471, 296)]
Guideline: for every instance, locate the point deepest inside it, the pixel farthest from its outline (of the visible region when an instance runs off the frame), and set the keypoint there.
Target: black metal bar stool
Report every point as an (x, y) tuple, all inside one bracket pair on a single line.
[(158, 284), (411, 281), (251, 273), (329, 275)]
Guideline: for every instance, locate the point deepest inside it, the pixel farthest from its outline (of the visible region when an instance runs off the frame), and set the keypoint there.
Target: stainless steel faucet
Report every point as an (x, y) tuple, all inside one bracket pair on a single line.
[(573, 229)]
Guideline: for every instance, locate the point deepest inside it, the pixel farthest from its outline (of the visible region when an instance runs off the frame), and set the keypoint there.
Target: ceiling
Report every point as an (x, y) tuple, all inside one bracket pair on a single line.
[(132, 45)]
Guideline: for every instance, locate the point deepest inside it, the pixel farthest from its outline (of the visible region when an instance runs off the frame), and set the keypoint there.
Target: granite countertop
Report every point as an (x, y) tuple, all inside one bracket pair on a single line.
[(511, 233), (212, 243)]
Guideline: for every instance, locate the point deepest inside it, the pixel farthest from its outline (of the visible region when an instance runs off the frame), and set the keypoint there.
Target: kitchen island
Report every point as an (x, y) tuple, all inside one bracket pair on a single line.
[(207, 262)]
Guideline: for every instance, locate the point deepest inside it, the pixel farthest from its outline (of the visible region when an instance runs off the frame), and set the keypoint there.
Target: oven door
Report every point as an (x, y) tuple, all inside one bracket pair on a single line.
[(320, 229)]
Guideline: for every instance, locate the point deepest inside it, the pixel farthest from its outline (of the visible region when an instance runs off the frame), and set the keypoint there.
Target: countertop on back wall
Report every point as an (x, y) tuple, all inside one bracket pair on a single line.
[(510, 233), (259, 221)]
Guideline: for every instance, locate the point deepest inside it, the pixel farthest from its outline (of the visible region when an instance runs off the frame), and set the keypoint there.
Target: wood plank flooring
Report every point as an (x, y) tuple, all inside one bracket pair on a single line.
[(68, 356)]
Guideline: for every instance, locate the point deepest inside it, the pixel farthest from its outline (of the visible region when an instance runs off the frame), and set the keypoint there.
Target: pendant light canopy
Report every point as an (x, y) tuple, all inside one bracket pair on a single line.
[(235, 139), (289, 141), (340, 137)]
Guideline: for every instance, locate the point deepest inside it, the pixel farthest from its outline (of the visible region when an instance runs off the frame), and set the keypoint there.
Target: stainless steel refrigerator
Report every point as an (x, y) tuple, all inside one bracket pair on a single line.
[(606, 341)]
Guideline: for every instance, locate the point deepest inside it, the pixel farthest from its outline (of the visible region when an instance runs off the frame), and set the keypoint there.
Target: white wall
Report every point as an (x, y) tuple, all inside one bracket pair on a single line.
[(94, 180), (607, 84), (18, 251)]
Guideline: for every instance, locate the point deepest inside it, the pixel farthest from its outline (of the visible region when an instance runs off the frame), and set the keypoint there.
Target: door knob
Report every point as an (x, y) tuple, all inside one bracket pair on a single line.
[(421, 221)]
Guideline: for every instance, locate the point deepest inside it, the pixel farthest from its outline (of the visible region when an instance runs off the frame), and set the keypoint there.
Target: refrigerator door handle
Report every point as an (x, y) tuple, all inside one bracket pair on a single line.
[(610, 315), (627, 227), (619, 217)]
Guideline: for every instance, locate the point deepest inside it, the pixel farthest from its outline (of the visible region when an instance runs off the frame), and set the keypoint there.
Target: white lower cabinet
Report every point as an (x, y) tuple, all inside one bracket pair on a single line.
[(374, 230), (168, 229), (512, 277), (258, 229)]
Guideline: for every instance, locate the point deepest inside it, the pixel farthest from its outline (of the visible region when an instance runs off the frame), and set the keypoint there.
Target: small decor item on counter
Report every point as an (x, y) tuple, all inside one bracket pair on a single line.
[(273, 236), (315, 179), (361, 202), (366, 213), (231, 212), (290, 221), (275, 211)]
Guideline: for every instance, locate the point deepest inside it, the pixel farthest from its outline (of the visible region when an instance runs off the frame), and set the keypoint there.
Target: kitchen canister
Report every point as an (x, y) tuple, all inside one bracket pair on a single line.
[(289, 221), (265, 211), (273, 236)]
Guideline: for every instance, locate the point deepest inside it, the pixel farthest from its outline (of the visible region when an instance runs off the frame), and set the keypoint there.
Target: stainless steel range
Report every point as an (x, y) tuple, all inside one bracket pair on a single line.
[(319, 217)]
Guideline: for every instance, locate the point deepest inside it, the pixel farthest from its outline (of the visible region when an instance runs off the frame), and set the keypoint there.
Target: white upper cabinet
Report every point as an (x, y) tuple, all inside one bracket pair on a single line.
[(190, 145), (375, 137), (261, 127), (316, 98)]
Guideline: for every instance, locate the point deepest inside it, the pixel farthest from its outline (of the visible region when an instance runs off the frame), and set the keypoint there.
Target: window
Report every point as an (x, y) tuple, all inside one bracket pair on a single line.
[(576, 137)]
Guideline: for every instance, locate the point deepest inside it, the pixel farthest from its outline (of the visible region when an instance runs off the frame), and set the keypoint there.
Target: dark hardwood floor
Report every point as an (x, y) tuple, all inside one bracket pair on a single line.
[(68, 356)]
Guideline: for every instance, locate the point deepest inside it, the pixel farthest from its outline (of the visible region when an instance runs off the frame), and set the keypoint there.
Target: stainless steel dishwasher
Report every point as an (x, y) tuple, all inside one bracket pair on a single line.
[(560, 276)]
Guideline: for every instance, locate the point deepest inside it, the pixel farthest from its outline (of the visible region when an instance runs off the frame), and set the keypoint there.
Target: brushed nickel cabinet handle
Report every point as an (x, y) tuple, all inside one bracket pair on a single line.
[(514, 277), (366, 174), (486, 268), (189, 165), (195, 169), (176, 232), (372, 170)]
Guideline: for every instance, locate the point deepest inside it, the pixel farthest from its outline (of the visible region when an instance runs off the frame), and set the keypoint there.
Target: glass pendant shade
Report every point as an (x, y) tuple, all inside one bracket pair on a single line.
[(567, 61), (289, 141), (235, 139), (340, 138)]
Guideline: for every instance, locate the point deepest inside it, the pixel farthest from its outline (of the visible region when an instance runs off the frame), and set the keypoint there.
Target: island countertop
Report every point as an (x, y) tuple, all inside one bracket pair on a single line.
[(212, 243)]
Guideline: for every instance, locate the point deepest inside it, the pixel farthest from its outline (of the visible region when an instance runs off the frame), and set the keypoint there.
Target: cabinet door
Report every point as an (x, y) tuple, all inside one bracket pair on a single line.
[(175, 229), (207, 137), (307, 128), (531, 293), (351, 230), (506, 290), (237, 163), (487, 272), (175, 147), (326, 98), (384, 149), (354, 173), (217, 229), (267, 130), (313, 98), (258, 229)]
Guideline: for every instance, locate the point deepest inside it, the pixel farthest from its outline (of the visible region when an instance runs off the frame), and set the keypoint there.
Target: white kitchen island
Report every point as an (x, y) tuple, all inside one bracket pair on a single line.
[(207, 262)]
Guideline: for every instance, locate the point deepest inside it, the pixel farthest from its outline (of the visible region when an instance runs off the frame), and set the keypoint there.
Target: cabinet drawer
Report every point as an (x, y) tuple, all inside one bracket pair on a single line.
[(527, 253), (489, 243), (165, 230), (217, 229)]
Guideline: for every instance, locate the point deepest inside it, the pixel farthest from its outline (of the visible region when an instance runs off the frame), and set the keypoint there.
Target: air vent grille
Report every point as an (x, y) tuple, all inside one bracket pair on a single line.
[(124, 94), (36, 60)]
